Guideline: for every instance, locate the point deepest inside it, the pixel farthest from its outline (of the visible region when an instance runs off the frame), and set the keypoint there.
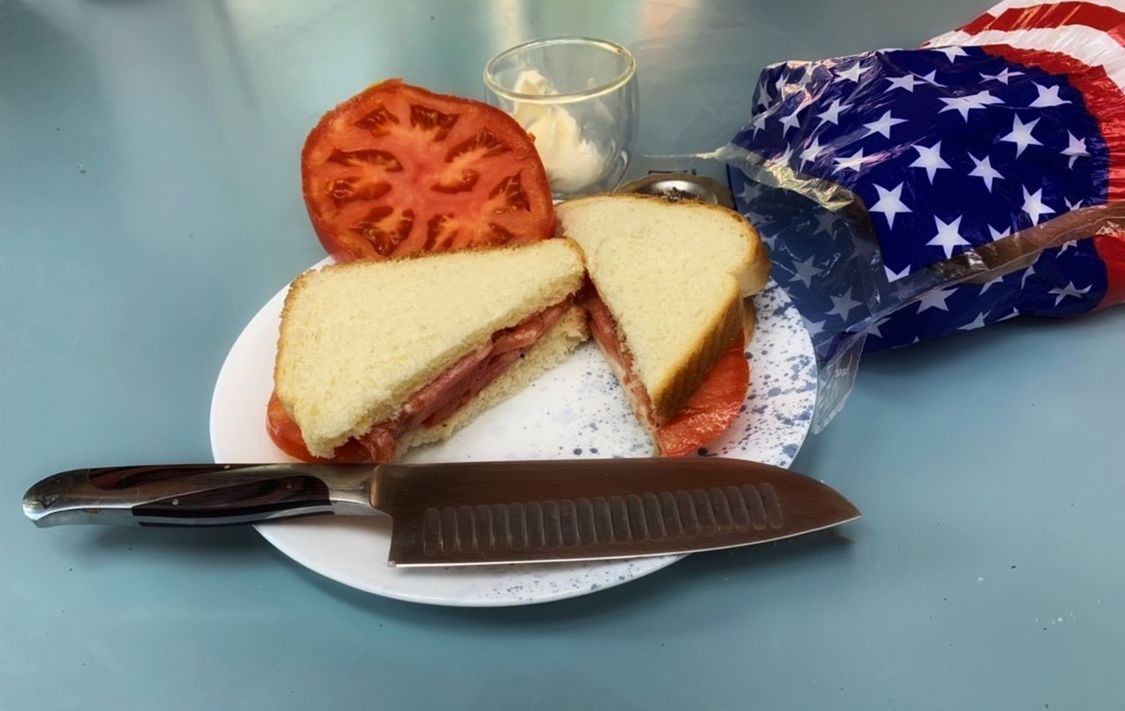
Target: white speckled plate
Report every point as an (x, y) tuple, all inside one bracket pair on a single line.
[(576, 410)]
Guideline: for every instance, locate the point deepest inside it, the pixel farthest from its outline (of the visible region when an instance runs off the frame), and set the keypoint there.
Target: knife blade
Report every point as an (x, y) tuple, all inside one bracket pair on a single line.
[(471, 513)]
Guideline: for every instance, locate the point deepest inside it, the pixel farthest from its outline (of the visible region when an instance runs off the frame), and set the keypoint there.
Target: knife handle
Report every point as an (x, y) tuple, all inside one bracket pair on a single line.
[(198, 494)]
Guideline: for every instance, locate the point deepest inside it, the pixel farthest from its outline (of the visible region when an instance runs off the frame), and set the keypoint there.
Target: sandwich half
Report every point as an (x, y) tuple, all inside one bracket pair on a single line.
[(376, 357), (667, 309)]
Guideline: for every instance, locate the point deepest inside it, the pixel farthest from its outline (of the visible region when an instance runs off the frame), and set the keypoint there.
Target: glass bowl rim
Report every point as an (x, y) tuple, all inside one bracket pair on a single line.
[(565, 97)]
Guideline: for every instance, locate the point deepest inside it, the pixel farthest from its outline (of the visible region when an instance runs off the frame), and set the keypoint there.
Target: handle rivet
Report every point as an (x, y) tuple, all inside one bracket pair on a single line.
[(175, 502)]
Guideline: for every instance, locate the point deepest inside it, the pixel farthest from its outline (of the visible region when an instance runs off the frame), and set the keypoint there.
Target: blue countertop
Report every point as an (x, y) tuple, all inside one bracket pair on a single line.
[(151, 204)]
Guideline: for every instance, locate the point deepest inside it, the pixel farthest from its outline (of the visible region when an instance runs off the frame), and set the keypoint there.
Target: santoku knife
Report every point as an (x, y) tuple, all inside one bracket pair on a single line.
[(471, 513)]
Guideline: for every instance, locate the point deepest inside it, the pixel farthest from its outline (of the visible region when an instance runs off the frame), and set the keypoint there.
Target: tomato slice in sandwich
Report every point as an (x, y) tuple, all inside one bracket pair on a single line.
[(398, 169), (287, 436), (712, 408)]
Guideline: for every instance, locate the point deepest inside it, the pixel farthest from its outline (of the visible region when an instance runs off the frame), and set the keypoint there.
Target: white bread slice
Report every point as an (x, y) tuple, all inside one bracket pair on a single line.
[(358, 339), (552, 348), (673, 275)]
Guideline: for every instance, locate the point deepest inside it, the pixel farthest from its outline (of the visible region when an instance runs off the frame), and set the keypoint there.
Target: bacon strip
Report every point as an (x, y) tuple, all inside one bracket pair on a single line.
[(460, 383), (604, 329)]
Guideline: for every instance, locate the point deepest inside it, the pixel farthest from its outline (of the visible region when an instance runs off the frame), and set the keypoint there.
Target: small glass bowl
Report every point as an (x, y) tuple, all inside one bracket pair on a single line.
[(578, 98)]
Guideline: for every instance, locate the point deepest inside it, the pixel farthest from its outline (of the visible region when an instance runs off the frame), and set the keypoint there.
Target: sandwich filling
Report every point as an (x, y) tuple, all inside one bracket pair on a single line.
[(436, 402), (603, 327), (710, 410)]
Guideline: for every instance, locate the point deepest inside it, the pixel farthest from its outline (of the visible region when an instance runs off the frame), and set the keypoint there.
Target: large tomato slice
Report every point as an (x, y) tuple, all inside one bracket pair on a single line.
[(712, 408), (398, 169), (287, 436)]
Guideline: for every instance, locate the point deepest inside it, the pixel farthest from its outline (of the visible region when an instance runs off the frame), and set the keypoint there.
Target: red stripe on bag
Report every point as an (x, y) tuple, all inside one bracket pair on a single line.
[(1111, 249), (1099, 17), (1104, 100), (982, 23)]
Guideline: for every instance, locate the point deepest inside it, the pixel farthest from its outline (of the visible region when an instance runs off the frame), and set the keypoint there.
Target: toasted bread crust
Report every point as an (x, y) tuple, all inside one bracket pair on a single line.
[(283, 336), (749, 319)]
